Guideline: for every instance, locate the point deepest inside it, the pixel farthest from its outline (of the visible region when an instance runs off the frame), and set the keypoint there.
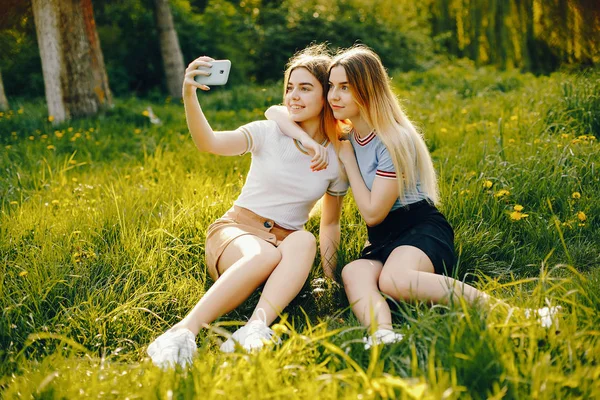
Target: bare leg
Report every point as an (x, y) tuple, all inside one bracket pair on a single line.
[(298, 252), (408, 274), (361, 284), (245, 264)]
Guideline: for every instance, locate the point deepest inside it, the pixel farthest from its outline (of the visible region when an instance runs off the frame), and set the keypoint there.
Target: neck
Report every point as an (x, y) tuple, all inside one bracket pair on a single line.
[(313, 128), (361, 127)]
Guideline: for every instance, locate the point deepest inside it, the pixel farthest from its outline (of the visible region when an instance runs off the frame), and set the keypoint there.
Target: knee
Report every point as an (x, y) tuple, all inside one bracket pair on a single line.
[(398, 286), (305, 241), (351, 274), (267, 258)]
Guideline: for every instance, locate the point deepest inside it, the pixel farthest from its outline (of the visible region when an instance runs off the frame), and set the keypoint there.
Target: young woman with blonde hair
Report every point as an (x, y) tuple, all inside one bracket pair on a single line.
[(410, 251), (261, 238)]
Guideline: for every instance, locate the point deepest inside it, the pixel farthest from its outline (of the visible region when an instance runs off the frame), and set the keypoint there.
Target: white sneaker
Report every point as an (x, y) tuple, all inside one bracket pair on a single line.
[(259, 333), (382, 336), (238, 337), (172, 348), (251, 336), (546, 316)]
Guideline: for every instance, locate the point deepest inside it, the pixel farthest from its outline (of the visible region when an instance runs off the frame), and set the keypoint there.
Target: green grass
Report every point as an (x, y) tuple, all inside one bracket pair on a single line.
[(102, 248)]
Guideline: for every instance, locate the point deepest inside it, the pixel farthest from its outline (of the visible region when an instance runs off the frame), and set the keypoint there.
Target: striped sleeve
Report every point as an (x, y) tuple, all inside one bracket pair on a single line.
[(385, 174), (339, 186), (385, 165), (255, 133), (249, 141)]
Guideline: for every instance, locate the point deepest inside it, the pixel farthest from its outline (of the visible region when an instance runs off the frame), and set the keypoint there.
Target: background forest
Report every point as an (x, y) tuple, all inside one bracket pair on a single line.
[(260, 35)]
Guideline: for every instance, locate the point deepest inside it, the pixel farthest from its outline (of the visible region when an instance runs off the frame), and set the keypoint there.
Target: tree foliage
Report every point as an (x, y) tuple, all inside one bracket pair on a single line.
[(534, 35), (259, 36)]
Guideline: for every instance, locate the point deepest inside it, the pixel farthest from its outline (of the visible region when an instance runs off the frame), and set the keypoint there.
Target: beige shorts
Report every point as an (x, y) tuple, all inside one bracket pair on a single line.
[(236, 222)]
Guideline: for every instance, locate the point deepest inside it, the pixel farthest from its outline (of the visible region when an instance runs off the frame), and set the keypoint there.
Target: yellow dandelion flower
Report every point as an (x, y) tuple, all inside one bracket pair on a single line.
[(487, 184), (280, 329), (463, 111), (20, 111), (517, 215), (575, 141), (8, 147), (51, 118), (74, 179), (137, 131), (511, 141), (537, 141), (443, 130), (502, 193), (465, 191), (55, 202), (14, 203), (576, 195), (565, 136), (58, 134), (31, 137), (591, 137), (581, 216), (70, 129), (518, 208), (13, 133), (582, 137), (514, 118), (50, 147), (145, 113), (23, 273)]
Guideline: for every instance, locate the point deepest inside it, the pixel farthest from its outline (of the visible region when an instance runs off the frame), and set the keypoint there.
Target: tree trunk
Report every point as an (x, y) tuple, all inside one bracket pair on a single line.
[(3, 99), (74, 73), (169, 48)]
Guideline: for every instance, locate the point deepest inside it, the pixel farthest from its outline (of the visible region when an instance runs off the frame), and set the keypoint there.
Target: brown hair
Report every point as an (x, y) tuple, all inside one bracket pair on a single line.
[(316, 60)]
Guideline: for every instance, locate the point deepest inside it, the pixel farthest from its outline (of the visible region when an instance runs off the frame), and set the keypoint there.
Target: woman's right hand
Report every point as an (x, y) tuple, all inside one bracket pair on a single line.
[(189, 84)]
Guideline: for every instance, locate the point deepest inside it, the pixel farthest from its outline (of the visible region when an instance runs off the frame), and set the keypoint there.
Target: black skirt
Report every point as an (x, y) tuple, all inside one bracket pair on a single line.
[(420, 225)]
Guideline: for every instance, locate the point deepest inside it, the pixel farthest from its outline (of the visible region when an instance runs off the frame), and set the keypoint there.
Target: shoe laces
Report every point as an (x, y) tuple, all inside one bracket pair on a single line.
[(382, 336), (259, 327)]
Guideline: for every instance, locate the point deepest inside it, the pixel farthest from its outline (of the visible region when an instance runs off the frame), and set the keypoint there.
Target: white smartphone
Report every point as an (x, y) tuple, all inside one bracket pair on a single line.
[(219, 73)]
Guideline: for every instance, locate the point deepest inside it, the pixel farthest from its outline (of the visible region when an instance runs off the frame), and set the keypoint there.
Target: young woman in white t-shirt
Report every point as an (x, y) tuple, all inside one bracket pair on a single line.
[(261, 238)]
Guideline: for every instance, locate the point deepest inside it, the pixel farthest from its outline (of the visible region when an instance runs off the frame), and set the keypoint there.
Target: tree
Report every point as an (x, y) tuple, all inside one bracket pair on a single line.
[(3, 99), (75, 77), (169, 48)]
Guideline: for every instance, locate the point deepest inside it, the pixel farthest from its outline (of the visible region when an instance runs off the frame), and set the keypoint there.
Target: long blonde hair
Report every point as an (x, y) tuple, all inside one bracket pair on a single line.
[(380, 108), (316, 59)]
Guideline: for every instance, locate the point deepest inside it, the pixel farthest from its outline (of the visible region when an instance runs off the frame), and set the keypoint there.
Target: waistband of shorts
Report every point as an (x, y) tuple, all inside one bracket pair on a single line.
[(241, 211), (400, 220)]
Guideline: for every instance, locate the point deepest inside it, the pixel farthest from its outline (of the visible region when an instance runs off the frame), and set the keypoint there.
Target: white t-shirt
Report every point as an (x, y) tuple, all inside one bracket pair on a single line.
[(280, 184)]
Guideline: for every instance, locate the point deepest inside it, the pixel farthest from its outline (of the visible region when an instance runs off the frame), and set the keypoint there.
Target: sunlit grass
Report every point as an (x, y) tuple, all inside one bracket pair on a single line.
[(102, 231)]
